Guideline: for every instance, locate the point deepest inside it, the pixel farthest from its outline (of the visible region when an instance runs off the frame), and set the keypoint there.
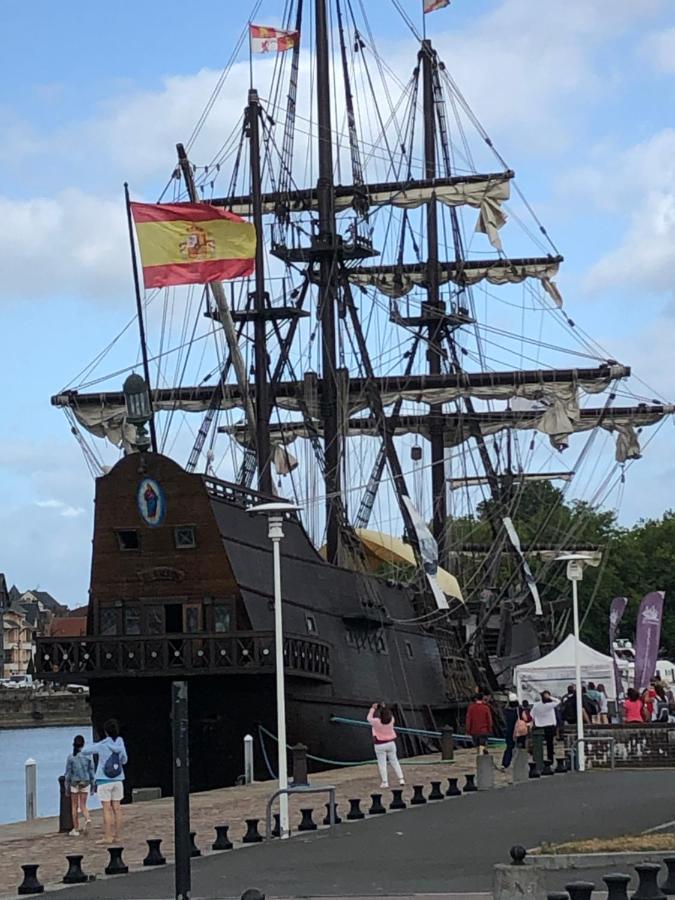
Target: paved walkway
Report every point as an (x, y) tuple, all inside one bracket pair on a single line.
[(442, 848), (40, 842)]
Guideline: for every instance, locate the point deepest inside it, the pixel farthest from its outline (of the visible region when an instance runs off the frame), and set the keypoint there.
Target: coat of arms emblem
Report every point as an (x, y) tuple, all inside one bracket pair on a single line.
[(197, 244)]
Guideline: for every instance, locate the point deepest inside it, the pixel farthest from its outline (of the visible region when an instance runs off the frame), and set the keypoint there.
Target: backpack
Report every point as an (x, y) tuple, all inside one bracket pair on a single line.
[(112, 767), (520, 729)]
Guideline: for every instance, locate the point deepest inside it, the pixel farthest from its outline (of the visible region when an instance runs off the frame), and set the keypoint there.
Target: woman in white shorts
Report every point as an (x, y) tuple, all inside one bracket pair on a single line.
[(112, 757), (79, 781)]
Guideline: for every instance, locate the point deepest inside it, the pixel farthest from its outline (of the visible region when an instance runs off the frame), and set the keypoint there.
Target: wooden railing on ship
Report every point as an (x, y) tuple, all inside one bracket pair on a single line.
[(240, 652)]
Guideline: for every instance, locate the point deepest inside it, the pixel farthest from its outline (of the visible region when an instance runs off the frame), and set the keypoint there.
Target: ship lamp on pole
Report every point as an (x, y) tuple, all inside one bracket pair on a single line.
[(139, 408), (276, 513), (575, 573)]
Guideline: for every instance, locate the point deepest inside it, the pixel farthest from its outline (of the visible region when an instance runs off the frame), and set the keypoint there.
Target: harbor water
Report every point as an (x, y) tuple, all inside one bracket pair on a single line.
[(49, 747)]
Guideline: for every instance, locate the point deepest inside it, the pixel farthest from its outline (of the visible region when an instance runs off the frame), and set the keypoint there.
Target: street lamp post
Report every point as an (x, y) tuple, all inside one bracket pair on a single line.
[(275, 513), (575, 573)]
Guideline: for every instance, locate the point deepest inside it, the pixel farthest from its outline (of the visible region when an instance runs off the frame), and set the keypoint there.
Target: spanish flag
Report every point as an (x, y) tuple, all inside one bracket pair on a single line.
[(433, 5), (192, 243), (271, 40)]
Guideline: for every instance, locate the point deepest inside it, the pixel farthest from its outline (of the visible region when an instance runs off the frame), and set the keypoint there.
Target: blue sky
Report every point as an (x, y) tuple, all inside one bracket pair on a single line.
[(576, 93)]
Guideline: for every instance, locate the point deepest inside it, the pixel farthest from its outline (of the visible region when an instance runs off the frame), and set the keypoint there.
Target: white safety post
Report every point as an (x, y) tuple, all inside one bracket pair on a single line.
[(31, 789), (248, 759)]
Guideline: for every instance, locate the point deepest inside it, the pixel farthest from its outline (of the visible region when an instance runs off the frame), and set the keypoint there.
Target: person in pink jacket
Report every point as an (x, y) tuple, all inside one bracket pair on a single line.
[(382, 722)]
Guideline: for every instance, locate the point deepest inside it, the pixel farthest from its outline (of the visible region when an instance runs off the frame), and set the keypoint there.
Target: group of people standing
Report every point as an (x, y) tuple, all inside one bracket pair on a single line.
[(655, 704), (106, 779)]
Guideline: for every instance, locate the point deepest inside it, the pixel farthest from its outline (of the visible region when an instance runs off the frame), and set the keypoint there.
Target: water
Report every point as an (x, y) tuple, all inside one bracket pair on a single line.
[(49, 747)]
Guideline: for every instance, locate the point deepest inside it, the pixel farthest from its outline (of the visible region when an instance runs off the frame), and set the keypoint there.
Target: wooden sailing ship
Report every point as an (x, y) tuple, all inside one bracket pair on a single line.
[(181, 582)]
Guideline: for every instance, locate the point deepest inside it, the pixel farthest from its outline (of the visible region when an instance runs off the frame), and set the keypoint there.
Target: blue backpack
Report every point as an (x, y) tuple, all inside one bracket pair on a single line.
[(112, 767)]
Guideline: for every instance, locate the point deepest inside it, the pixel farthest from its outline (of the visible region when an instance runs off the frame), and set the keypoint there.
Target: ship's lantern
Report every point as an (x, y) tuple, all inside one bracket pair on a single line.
[(137, 400)]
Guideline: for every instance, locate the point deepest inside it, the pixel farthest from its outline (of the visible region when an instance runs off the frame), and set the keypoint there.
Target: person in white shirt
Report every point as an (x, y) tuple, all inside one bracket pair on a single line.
[(544, 718)]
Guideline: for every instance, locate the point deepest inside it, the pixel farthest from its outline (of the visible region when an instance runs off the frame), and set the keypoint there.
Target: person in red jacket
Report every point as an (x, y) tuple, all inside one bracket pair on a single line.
[(479, 722)]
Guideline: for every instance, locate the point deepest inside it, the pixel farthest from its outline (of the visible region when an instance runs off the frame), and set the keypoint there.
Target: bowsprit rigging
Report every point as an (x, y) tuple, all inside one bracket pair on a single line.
[(401, 356)]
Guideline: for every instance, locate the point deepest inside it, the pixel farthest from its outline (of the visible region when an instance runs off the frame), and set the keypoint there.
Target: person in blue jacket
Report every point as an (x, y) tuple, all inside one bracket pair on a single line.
[(79, 782), (109, 778)]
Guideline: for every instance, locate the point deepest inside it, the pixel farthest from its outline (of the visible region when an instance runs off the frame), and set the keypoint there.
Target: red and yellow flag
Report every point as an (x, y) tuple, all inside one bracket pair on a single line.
[(192, 243), (271, 40), (433, 5)]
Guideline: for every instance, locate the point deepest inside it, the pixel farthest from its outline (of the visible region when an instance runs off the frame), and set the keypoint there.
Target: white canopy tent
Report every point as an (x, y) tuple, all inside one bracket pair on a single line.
[(555, 671)]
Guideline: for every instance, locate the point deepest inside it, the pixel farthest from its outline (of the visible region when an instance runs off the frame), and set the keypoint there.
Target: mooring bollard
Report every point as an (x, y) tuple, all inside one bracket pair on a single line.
[(580, 890), (436, 792), (547, 770), (517, 854), (617, 886), (336, 817), (252, 894), (276, 828), (194, 849), (447, 744), (453, 790), (668, 886), (248, 759), (534, 771), (154, 857), (116, 865), (355, 811), (30, 883), (252, 835), (376, 807), (65, 809), (470, 783), (299, 764), (31, 789), (75, 875), (557, 895), (398, 802), (307, 823), (418, 797), (560, 765), (648, 888), (222, 842)]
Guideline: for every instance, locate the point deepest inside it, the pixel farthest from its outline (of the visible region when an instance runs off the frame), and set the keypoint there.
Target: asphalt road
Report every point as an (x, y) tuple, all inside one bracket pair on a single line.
[(443, 847)]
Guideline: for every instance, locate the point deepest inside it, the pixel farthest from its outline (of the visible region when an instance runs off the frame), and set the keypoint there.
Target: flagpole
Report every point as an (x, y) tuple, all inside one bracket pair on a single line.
[(424, 23), (139, 310), (250, 55)]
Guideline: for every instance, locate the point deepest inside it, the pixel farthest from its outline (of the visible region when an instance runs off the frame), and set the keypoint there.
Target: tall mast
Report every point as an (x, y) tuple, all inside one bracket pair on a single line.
[(434, 307), (325, 243), (262, 402)]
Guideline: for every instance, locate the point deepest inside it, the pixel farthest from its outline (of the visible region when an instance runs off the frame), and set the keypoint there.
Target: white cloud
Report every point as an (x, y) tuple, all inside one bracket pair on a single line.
[(68, 512), (73, 243), (658, 49)]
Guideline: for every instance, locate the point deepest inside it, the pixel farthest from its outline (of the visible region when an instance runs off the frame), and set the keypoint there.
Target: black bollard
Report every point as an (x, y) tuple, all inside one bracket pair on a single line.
[(580, 890), (470, 783), (75, 875), (517, 854), (154, 857), (194, 849), (447, 744), (30, 883), (252, 894), (65, 809), (116, 865), (617, 886), (453, 790), (557, 895), (299, 764), (355, 810), (376, 808), (252, 835), (307, 823), (276, 829), (336, 817), (534, 771), (436, 792), (560, 765), (418, 795), (648, 888), (668, 886), (548, 768), (398, 802), (222, 841)]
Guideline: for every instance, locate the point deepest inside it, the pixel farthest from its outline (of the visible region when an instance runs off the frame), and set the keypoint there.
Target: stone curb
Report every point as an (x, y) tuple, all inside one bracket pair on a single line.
[(554, 862)]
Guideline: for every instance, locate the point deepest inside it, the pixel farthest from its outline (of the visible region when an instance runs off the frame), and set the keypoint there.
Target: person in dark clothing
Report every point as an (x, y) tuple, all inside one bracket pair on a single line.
[(511, 714)]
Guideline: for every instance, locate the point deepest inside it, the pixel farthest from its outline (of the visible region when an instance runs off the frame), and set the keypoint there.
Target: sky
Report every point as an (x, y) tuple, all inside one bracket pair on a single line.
[(577, 94)]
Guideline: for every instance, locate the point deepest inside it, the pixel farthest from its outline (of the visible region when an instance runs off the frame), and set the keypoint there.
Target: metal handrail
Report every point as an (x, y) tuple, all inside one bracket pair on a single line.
[(421, 732), (301, 789)]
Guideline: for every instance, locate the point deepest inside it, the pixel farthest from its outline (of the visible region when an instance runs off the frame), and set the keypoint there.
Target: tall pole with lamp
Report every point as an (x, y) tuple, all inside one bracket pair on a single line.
[(276, 513), (575, 573)]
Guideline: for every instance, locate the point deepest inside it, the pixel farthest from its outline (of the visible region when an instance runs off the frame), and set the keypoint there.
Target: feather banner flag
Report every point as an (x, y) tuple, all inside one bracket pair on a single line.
[(192, 243), (433, 5), (271, 40)]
